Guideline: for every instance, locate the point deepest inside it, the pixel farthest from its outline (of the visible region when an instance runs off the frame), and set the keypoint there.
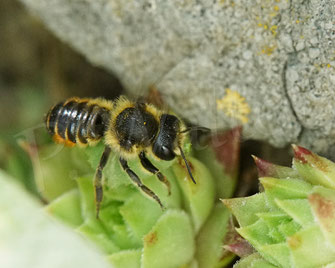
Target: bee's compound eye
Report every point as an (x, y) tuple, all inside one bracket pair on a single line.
[(163, 152)]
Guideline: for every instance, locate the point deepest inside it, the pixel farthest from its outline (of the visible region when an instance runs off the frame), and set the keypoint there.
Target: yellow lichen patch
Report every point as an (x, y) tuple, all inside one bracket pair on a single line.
[(273, 30), (234, 105), (268, 50)]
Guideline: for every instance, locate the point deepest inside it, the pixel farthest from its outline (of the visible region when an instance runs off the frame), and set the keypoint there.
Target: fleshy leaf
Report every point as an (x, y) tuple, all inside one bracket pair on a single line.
[(273, 220), (257, 234), (253, 261), (94, 230), (309, 248), (313, 168), (126, 259), (322, 202), (170, 243), (267, 169), (199, 197), (67, 208), (289, 228), (86, 190), (285, 188), (280, 254), (210, 237), (245, 208), (114, 224), (298, 209), (140, 214), (124, 238), (56, 168)]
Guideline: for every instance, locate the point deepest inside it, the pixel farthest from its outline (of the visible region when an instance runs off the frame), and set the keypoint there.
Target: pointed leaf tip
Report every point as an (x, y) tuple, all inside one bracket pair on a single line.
[(264, 167), (241, 247), (300, 153)]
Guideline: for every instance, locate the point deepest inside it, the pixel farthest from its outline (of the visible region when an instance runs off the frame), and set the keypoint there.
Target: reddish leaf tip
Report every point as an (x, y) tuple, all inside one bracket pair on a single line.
[(264, 167), (300, 153)]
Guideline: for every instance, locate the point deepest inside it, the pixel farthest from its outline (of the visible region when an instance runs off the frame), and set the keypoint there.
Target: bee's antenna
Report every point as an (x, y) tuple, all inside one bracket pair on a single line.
[(186, 163), (195, 128)]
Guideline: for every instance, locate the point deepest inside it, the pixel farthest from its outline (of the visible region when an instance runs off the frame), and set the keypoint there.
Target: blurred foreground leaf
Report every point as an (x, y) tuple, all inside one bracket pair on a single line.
[(30, 238)]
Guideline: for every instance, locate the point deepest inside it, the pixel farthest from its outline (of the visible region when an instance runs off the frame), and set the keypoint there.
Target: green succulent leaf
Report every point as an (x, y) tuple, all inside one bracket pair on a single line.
[(199, 197), (132, 229), (126, 258), (254, 261), (267, 169), (278, 253), (210, 237), (140, 221), (314, 168), (292, 223), (95, 231), (257, 234), (285, 188), (86, 190), (298, 209), (322, 202), (245, 209), (170, 243), (56, 169), (309, 249), (67, 208)]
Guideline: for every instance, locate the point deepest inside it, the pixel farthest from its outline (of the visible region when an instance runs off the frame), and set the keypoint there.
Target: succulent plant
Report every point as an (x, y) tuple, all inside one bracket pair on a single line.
[(133, 231), (292, 222)]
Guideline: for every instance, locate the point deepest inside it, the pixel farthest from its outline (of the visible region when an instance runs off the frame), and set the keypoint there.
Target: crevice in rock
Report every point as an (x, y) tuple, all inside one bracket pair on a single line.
[(302, 128), (291, 57)]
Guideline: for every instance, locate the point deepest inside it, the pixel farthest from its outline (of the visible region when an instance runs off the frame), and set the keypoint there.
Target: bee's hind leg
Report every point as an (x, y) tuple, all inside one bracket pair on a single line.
[(98, 179)]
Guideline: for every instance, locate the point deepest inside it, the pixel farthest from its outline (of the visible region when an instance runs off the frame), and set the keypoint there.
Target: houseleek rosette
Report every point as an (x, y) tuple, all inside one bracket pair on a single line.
[(292, 222), (133, 231)]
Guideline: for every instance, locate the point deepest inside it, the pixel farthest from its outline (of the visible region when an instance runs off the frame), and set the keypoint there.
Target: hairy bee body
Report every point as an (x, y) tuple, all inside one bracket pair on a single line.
[(81, 121), (131, 129)]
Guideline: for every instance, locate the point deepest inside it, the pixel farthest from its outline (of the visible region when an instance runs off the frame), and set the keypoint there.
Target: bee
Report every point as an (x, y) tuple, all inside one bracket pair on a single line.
[(131, 129)]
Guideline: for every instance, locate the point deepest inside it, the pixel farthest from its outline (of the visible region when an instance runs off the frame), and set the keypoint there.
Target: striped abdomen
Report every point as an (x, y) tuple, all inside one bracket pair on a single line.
[(78, 120)]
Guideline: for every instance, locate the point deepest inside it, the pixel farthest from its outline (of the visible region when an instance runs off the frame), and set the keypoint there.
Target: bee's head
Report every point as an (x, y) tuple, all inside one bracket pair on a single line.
[(166, 140)]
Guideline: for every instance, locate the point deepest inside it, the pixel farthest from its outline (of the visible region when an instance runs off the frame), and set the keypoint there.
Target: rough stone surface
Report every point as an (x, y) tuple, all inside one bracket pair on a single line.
[(279, 55)]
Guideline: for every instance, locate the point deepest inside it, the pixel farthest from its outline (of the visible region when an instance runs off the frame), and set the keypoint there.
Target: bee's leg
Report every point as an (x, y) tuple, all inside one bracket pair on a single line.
[(138, 182), (151, 168), (98, 179)]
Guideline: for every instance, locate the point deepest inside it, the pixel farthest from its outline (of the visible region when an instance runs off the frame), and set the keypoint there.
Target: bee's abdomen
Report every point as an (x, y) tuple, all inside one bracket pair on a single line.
[(77, 121)]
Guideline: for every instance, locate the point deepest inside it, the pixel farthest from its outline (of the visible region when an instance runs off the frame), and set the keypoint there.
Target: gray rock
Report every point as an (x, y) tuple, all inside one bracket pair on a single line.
[(278, 55)]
